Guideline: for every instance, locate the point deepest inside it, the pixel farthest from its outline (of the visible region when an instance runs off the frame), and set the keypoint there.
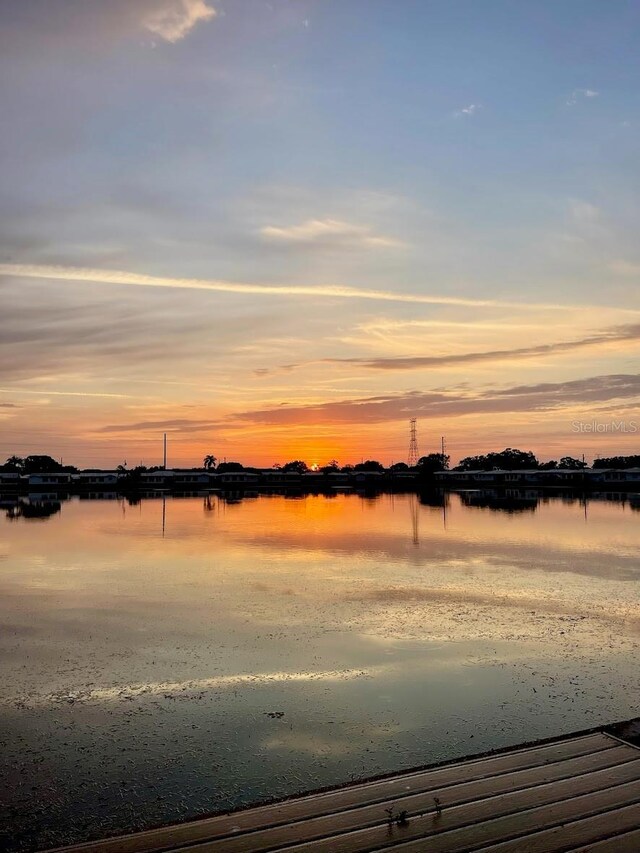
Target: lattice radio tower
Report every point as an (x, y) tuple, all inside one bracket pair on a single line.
[(413, 444)]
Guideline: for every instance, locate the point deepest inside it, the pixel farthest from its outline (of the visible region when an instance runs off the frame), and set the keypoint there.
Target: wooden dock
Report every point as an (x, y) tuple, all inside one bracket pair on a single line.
[(579, 794)]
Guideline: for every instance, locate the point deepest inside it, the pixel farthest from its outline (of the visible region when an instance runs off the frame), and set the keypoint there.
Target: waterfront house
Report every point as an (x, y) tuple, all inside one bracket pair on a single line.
[(160, 479), (9, 479), (276, 477), (369, 478), (337, 478), (563, 477), (192, 478), (47, 481), (614, 476), (237, 478), (90, 479)]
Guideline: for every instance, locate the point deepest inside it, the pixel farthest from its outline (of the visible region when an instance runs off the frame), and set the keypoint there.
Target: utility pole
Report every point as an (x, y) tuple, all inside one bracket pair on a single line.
[(164, 455), (443, 446)]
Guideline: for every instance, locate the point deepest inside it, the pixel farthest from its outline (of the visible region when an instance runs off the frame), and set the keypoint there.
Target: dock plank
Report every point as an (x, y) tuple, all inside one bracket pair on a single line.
[(605, 826), (490, 820), (629, 842), (415, 804), (521, 825)]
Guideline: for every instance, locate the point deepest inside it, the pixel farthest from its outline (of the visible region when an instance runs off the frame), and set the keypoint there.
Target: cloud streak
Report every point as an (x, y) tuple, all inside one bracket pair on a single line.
[(173, 424), (47, 392), (630, 333), (543, 397), (332, 291), (328, 232), (438, 404), (433, 404)]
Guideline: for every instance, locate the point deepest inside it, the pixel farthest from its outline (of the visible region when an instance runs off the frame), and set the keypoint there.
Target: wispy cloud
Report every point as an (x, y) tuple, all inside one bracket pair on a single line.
[(121, 277), (49, 393), (543, 397), (625, 268), (328, 232), (102, 23), (172, 20), (580, 94), (171, 424), (617, 335), (470, 110), (583, 212), (432, 404)]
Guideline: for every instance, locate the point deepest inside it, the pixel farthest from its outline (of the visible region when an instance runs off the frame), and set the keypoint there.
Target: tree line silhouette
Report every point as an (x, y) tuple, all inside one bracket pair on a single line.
[(510, 459)]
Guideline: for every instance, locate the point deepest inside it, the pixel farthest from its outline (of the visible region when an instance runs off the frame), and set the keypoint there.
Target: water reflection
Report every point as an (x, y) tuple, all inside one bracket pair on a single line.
[(500, 501), (41, 505), (202, 651), (31, 508)]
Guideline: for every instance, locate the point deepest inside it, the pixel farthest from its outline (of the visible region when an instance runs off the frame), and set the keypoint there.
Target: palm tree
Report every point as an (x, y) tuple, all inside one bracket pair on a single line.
[(15, 462), (209, 462)]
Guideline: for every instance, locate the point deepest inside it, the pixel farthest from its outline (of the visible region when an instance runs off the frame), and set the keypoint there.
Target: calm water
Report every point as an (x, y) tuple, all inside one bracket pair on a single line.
[(172, 658)]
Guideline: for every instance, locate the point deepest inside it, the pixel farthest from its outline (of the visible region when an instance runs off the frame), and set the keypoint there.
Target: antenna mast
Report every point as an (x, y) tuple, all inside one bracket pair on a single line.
[(413, 444)]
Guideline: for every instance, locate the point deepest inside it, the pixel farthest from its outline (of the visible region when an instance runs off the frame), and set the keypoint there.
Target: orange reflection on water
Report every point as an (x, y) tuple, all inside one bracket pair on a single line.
[(275, 558)]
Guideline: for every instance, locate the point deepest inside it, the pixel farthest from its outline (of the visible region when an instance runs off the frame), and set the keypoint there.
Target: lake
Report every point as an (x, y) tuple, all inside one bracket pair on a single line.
[(173, 657)]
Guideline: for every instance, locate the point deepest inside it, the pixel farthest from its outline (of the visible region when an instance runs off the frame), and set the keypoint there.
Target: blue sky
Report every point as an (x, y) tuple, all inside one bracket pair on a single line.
[(482, 155)]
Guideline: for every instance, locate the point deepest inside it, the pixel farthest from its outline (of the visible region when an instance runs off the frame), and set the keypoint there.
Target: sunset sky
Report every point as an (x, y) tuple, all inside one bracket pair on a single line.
[(279, 230)]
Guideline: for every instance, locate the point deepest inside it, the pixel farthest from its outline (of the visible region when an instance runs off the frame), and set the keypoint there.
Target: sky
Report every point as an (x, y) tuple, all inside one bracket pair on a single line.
[(279, 230)]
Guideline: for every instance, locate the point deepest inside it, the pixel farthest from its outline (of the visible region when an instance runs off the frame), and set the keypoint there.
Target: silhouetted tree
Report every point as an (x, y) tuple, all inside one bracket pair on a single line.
[(331, 468), (509, 460), (297, 466), (132, 478), (229, 467), (398, 466), (369, 465), (209, 462), (471, 463), (548, 466), (617, 462), (43, 465), (572, 463), (14, 464), (433, 462)]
